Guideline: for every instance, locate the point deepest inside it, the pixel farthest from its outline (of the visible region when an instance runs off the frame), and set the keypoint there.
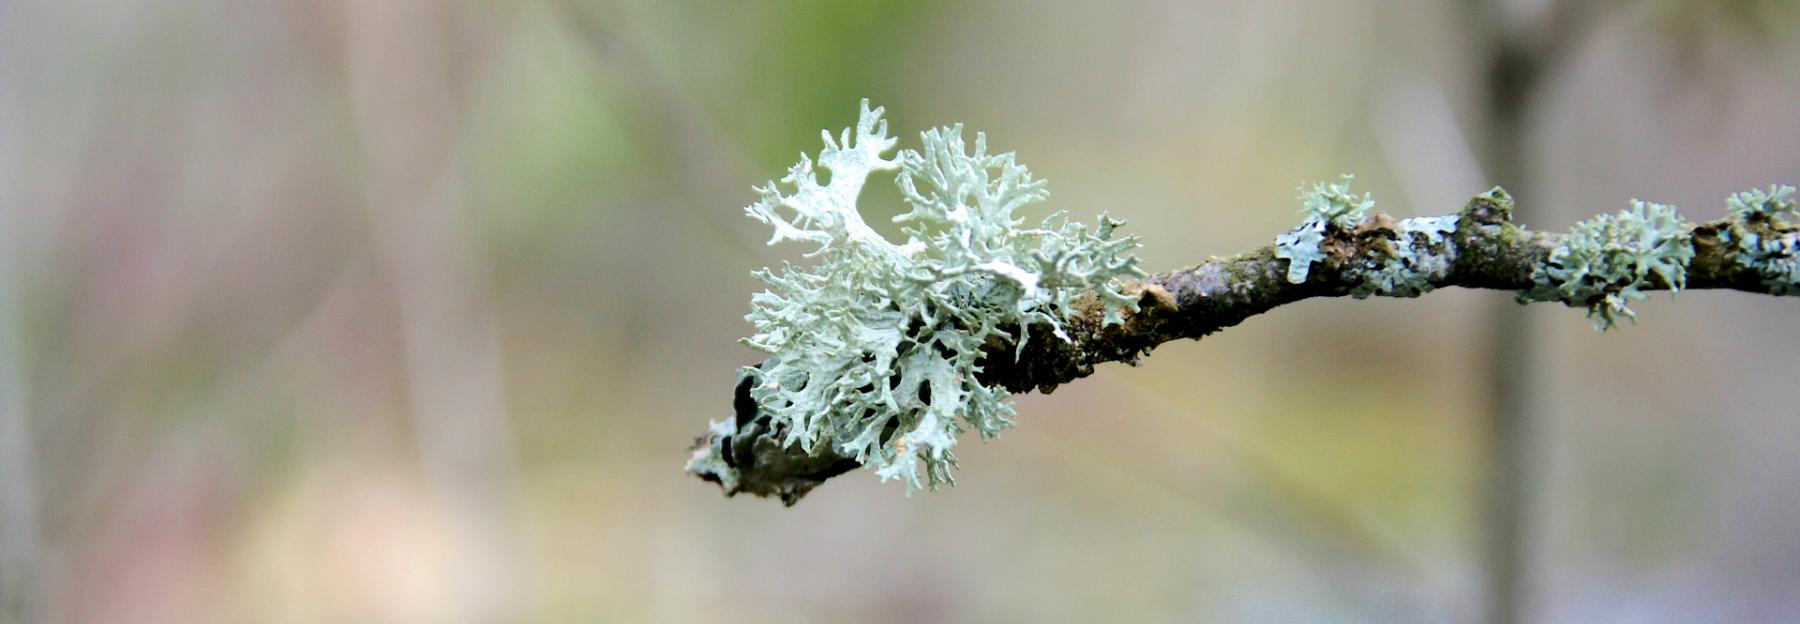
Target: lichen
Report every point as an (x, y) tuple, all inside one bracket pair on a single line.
[(1607, 262), (1334, 203), (1399, 259), (1300, 247), (1325, 206), (1414, 252), (1763, 239), (1758, 204), (873, 350)]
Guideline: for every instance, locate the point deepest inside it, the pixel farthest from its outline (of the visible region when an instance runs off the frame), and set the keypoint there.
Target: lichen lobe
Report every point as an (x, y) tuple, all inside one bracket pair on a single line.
[(876, 351)]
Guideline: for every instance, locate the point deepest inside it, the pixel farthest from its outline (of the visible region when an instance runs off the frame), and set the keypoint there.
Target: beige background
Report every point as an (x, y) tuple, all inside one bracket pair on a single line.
[(404, 312)]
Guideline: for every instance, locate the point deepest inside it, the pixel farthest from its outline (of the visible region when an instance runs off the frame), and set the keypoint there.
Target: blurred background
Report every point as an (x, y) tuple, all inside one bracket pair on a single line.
[(346, 311)]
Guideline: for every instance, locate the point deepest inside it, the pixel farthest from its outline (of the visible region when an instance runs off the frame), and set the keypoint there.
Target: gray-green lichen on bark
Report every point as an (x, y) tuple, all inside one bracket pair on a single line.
[(881, 354), (1748, 251), (874, 347)]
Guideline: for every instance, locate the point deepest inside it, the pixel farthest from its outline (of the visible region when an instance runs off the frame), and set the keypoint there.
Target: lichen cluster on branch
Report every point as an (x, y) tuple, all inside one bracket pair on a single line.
[(1606, 262), (881, 354), (873, 350), (1405, 256), (1763, 239)]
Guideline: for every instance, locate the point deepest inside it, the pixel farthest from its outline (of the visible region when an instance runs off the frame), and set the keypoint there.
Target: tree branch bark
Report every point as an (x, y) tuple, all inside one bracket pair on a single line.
[(1488, 250)]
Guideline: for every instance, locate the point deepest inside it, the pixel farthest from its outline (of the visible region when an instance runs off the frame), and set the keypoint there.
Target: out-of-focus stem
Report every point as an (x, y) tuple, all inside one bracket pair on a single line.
[(1516, 61)]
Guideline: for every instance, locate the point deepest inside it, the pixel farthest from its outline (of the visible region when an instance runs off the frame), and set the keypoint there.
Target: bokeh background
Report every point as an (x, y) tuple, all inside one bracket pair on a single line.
[(405, 311)]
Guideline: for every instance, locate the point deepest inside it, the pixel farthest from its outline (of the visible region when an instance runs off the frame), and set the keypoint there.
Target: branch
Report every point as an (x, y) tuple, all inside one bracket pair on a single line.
[(1486, 250)]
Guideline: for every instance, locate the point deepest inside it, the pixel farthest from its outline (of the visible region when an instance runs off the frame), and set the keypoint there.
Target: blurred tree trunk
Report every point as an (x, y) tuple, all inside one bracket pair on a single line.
[(1522, 51)]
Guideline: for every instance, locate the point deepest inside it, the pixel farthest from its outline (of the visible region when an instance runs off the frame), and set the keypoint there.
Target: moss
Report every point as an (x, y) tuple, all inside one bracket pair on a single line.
[(1494, 207)]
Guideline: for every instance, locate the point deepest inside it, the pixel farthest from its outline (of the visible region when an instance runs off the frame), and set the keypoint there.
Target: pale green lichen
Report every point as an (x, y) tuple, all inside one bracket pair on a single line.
[(1763, 239), (1325, 205), (1758, 204), (1403, 259), (873, 351), (1607, 262), (1415, 254), (1300, 247)]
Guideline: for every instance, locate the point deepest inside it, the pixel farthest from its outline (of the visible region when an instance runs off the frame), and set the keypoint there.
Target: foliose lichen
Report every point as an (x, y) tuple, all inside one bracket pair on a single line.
[(873, 350), (1412, 254), (1325, 205), (1763, 239), (1607, 262), (1402, 257), (1300, 246)]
